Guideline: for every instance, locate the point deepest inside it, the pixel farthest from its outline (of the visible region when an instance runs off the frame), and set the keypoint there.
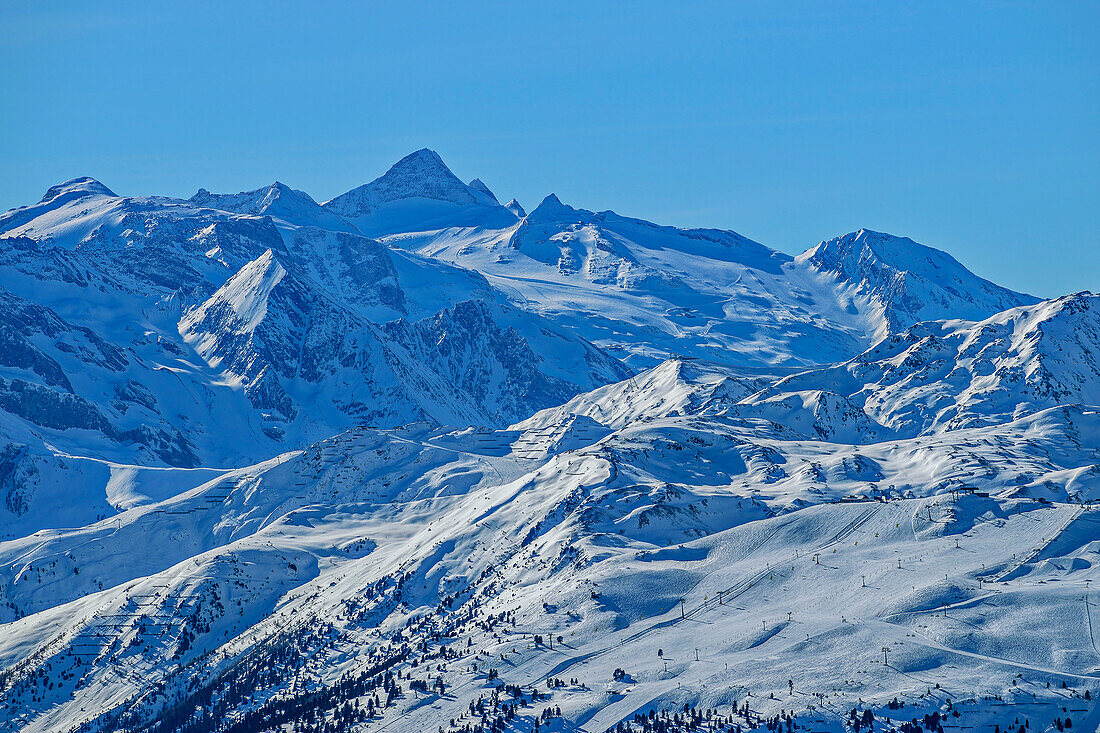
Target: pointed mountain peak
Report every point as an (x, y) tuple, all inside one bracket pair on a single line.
[(257, 277), (419, 175), (550, 213), (279, 189), (552, 209), (868, 246), (910, 282), (425, 156), (78, 187), (245, 295), (264, 262), (287, 199), (419, 191), (888, 245), (478, 186), (424, 167), (515, 208)]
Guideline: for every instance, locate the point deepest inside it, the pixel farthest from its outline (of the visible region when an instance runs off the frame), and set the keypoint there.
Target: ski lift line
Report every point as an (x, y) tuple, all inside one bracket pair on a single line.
[(744, 585), (1038, 550), (1088, 617), (932, 644)]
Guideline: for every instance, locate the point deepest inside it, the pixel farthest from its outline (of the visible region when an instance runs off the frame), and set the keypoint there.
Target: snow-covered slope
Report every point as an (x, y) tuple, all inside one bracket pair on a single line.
[(515, 208), (700, 552), (291, 348), (260, 471)]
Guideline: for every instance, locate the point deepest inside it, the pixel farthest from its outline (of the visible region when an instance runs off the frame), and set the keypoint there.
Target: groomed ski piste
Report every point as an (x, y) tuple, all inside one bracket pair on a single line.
[(948, 602), (323, 482)]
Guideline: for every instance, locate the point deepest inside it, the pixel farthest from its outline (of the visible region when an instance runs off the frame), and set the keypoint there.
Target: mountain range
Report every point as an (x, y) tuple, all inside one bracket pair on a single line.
[(411, 459)]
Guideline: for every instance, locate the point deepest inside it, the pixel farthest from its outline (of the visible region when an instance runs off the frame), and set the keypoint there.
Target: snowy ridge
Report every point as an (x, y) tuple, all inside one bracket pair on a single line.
[(245, 294), (277, 200), (505, 471), (466, 364), (647, 292), (235, 318), (957, 374)]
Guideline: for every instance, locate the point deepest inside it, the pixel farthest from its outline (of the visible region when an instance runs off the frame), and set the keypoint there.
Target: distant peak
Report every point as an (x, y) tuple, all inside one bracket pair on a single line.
[(552, 209), (515, 208), (277, 200), (477, 186), (424, 166), (278, 189), (910, 281), (423, 163), (1075, 302), (896, 251), (425, 154), (870, 235), (83, 186), (421, 174), (256, 201)]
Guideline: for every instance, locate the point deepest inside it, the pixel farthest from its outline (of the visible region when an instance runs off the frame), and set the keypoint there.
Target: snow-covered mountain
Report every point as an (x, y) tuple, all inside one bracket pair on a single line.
[(411, 460), (646, 292), (947, 375), (272, 293), (418, 191), (907, 282), (515, 208), (278, 201)]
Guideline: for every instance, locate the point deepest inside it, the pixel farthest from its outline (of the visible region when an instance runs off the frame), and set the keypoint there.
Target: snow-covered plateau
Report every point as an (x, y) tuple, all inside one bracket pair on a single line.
[(414, 460)]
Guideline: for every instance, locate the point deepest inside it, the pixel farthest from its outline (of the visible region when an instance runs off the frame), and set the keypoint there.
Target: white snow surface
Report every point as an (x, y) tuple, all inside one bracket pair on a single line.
[(646, 292), (262, 458)]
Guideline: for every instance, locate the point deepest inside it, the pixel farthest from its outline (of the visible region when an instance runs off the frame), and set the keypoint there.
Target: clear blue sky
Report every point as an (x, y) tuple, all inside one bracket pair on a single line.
[(973, 127)]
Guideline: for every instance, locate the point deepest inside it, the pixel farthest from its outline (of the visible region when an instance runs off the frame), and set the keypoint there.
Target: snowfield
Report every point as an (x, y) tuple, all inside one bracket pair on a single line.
[(411, 460)]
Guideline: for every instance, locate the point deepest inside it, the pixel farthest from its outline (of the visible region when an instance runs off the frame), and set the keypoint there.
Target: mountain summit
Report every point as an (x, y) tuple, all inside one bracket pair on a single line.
[(907, 281), (515, 208), (83, 186), (479, 187), (418, 189)]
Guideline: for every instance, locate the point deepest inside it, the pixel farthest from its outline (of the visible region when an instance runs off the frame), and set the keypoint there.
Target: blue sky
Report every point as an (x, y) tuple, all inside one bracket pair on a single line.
[(972, 127)]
